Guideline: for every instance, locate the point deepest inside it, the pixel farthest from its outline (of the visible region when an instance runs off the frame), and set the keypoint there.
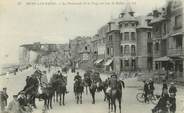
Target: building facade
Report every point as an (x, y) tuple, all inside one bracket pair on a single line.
[(127, 24), (99, 48), (144, 44), (168, 46)]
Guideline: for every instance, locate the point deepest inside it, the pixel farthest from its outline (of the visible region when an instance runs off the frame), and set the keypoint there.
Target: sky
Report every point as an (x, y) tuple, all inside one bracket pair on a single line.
[(25, 23)]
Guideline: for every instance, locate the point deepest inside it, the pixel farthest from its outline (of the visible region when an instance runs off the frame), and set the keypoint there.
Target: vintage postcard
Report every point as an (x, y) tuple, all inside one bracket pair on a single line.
[(91, 56)]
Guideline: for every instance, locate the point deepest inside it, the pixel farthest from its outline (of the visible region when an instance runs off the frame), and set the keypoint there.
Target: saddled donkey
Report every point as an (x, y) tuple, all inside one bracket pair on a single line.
[(115, 94), (31, 89), (78, 90), (93, 88), (61, 90), (87, 81), (103, 87), (47, 95), (95, 83)]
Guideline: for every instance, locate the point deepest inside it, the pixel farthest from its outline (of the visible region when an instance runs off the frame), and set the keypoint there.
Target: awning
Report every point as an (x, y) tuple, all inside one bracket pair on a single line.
[(108, 62), (98, 61), (177, 57), (165, 58), (176, 34)]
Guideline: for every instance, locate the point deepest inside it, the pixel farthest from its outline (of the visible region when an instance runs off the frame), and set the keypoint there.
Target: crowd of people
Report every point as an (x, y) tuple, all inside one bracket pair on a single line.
[(167, 101), (19, 104)]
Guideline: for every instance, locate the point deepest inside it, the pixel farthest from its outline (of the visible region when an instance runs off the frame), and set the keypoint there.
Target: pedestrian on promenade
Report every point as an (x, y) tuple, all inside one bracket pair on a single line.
[(77, 77), (2, 104), (172, 101), (172, 89), (13, 106), (164, 87), (163, 103), (146, 91), (5, 96), (151, 87)]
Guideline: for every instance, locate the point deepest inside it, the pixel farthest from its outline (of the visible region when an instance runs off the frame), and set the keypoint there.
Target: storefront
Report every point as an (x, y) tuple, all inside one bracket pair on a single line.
[(109, 65)]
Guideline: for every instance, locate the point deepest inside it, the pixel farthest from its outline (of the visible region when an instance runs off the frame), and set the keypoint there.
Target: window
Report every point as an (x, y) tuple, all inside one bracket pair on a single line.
[(126, 25), (157, 46), (133, 24), (103, 40), (178, 42), (120, 25), (86, 47), (133, 49), (133, 36), (126, 36), (121, 65), (121, 49), (122, 36), (112, 52), (110, 38), (133, 63), (149, 47), (156, 29), (126, 50), (108, 51), (126, 63), (164, 28), (149, 35), (178, 21)]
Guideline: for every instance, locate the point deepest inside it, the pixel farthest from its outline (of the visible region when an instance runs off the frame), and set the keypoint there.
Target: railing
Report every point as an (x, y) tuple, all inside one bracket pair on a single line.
[(129, 53), (128, 41), (176, 51)]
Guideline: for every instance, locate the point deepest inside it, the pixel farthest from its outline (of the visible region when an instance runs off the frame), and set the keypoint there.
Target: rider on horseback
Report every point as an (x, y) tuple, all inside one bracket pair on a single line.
[(112, 83), (77, 77), (31, 89), (62, 78)]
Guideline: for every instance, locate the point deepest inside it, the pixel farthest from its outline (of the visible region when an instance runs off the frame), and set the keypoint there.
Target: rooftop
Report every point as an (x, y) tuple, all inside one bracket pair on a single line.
[(127, 14)]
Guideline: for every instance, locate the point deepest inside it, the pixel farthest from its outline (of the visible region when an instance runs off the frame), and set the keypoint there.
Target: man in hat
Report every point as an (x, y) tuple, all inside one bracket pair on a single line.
[(172, 101), (151, 87), (146, 91), (172, 89), (163, 103), (77, 77), (13, 106), (165, 87), (22, 100), (2, 105), (113, 81), (5, 96)]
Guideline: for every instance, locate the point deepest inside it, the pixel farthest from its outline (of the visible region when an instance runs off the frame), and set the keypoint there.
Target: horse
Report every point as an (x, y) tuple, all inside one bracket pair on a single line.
[(103, 87), (31, 89), (47, 95), (60, 90), (78, 90), (45, 90), (93, 88), (115, 94), (87, 81)]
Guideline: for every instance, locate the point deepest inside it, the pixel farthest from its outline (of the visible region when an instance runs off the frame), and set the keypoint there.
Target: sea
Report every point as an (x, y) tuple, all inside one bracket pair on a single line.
[(7, 68)]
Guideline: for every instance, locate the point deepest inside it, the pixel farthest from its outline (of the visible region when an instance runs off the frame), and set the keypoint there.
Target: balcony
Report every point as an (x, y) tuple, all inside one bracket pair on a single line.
[(133, 54), (175, 52), (128, 54), (128, 42)]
